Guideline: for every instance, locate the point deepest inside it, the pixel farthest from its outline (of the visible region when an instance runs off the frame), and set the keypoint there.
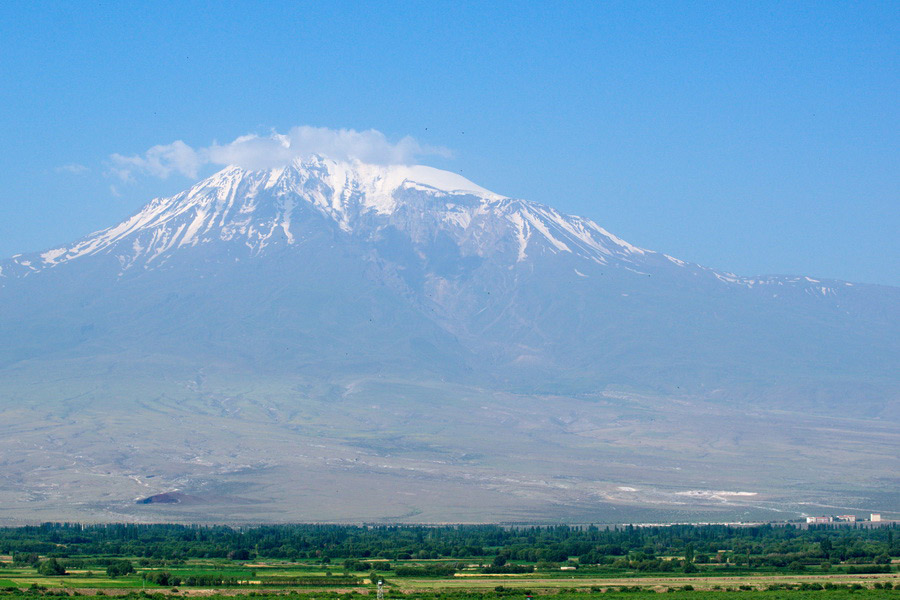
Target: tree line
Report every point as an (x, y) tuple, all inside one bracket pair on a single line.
[(627, 546)]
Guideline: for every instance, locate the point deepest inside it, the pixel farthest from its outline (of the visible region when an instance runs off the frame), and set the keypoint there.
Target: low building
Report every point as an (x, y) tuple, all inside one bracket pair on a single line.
[(847, 518), (819, 520), (875, 517)]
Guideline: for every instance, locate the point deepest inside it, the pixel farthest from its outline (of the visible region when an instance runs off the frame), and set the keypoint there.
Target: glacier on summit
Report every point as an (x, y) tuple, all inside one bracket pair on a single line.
[(257, 206), (504, 282), (360, 323)]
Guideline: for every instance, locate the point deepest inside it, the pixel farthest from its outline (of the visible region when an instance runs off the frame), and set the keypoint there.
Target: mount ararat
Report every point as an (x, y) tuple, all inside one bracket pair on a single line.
[(269, 344)]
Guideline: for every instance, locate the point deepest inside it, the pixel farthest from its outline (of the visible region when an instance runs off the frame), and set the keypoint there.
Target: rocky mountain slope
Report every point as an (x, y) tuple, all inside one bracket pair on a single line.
[(411, 267), (305, 293)]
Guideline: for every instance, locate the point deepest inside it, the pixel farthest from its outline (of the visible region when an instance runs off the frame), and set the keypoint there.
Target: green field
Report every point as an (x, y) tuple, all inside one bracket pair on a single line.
[(632, 593), (484, 562), (208, 576)]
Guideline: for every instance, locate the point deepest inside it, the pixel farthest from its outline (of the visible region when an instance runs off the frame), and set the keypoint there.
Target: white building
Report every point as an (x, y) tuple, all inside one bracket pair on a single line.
[(875, 517), (818, 519)]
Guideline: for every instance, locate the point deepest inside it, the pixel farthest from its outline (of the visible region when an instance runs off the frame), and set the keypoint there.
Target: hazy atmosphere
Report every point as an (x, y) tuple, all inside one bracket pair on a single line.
[(450, 263), (753, 138), (449, 300)]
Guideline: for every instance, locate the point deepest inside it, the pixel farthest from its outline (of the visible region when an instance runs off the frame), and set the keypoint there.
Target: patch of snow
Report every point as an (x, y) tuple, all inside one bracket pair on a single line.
[(542, 228), (49, 257), (254, 207), (721, 495), (440, 180), (193, 228), (727, 277), (286, 219), (460, 218), (523, 233), (274, 176), (616, 240)]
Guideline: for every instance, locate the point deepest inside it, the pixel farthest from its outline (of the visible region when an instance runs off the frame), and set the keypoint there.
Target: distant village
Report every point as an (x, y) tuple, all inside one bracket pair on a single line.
[(873, 518)]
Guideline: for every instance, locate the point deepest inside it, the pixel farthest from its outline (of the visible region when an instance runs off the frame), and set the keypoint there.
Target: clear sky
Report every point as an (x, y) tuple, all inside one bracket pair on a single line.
[(759, 138)]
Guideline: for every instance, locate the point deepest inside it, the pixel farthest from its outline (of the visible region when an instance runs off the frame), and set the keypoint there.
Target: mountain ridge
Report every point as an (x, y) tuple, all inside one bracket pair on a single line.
[(342, 191), (298, 332), (517, 284), (376, 187)]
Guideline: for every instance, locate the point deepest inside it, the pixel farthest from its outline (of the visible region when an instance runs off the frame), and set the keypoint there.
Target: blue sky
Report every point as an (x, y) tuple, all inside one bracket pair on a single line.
[(753, 137)]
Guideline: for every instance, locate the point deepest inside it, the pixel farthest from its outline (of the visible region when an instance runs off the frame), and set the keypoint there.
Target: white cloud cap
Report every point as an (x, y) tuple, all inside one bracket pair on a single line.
[(269, 151)]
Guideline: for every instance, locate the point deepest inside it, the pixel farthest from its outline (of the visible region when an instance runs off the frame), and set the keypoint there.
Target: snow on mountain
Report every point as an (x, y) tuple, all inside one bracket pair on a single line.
[(260, 208), (346, 253), (277, 335)]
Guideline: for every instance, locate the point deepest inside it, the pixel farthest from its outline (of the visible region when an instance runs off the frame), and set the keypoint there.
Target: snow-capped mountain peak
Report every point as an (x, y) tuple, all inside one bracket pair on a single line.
[(342, 266), (275, 206), (238, 212)]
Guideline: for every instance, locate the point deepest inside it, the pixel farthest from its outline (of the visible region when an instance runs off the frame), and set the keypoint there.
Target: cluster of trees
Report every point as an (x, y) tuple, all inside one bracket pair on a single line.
[(163, 578), (311, 580), (352, 564), (119, 568), (429, 570), (51, 567), (501, 566), (209, 579), (369, 547), (30, 559), (649, 564), (507, 569)]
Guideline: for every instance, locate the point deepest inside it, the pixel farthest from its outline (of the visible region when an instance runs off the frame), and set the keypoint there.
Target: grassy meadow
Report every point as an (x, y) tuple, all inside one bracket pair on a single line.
[(487, 562)]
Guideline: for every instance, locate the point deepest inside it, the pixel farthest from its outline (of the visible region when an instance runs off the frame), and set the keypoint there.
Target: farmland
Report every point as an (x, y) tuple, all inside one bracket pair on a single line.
[(445, 562)]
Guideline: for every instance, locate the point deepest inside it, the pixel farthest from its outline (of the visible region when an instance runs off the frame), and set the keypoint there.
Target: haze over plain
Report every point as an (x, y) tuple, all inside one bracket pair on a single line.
[(322, 317)]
